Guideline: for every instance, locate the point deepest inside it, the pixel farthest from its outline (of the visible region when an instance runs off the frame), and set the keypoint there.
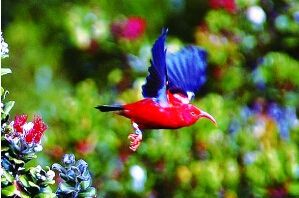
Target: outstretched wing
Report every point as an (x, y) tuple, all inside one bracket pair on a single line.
[(155, 86), (186, 70)]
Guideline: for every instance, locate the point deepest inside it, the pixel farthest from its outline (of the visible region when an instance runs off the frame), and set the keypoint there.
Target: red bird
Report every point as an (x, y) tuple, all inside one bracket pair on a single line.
[(169, 87)]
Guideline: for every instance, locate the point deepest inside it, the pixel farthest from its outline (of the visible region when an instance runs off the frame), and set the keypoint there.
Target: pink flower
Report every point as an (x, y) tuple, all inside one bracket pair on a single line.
[(31, 131), (131, 29), (228, 5), (134, 28)]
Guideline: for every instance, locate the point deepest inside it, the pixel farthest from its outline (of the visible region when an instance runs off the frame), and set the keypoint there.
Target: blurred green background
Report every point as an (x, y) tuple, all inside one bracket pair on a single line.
[(69, 56)]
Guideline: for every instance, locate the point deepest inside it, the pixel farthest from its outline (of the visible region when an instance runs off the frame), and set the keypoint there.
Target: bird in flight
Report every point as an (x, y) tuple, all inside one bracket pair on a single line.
[(172, 82)]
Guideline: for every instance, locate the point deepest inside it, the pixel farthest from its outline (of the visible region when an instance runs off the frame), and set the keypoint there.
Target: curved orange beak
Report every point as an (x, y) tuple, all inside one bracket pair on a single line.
[(206, 115)]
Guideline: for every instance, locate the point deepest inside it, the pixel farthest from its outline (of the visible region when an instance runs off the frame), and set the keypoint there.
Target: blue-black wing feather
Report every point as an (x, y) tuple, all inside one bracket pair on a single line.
[(186, 70), (155, 86)]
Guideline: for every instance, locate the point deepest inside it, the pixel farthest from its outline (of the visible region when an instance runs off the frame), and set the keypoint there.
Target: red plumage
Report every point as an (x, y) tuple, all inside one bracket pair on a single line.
[(149, 114), (171, 84)]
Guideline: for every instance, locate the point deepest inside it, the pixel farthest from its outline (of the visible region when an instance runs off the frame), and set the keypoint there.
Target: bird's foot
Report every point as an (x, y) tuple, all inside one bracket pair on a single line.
[(136, 139)]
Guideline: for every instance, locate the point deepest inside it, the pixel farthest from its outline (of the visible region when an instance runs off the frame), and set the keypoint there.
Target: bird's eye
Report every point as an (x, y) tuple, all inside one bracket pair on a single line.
[(192, 113)]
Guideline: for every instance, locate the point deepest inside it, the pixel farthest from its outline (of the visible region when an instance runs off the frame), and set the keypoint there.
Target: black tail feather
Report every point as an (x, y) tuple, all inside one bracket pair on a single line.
[(107, 108)]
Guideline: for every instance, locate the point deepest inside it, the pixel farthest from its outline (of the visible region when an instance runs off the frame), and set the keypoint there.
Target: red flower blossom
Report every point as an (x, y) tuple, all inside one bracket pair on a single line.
[(37, 131), (84, 147), (123, 155), (131, 29), (19, 122), (134, 28), (278, 192), (32, 131), (56, 152), (228, 5)]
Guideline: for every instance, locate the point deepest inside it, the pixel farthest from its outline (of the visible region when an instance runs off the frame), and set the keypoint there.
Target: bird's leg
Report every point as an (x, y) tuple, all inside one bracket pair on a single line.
[(135, 137)]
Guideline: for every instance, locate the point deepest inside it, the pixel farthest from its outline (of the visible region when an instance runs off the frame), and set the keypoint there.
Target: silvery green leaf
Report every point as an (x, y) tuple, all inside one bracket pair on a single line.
[(21, 169), (24, 195), (75, 169), (71, 174), (90, 192), (8, 106), (33, 185), (9, 191), (24, 181), (19, 162), (29, 157), (59, 168), (82, 165), (85, 184), (85, 176), (46, 192), (7, 176), (32, 172), (68, 159), (3, 93), (5, 71), (49, 182), (64, 187), (4, 148), (64, 177), (45, 195), (46, 189)]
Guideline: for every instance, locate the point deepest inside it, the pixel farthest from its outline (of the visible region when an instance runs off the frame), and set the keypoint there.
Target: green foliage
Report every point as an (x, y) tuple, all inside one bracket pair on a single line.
[(67, 58), (219, 20), (5, 107), (278, 69), (18, 179)]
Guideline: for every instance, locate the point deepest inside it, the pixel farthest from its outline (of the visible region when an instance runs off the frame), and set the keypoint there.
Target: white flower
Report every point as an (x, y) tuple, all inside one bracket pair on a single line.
[(256, 15), (50, 175), (139, 177), (38, 168), (4, 48), (296, 16), (38, 148), (27, 126), (259, 128), (295, 170), (249, 158)]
